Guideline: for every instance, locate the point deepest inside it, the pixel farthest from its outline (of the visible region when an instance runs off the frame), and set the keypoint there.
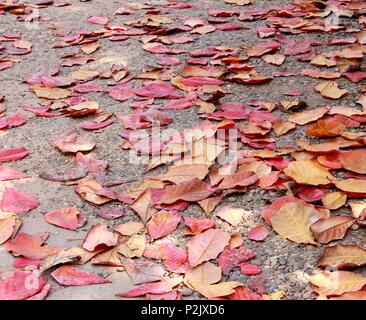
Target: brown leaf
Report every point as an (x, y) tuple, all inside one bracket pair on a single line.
[(342, 257), (336, 283), (333, 228), (307, 116), (330, 90), (192, 190)]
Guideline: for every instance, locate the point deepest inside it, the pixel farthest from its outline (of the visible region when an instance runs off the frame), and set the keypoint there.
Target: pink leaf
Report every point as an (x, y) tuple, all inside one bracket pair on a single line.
[(18, 202), (72, 276)]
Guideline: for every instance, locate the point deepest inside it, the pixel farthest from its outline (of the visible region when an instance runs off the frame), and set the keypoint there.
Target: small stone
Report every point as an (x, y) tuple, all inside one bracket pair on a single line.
[(231, 199), (355, 227), (282, 261), (186, 292), (298, 266)]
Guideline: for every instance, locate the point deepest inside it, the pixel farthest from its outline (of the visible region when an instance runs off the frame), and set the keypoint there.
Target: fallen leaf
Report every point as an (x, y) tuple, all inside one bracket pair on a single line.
[(99, 236), (73, 276), (231, 215), (68, 218), (20, 285), (293, 222), (258, 233), (16, 201), (163, 223), (333, 228), (207, 245), (308, 172), (30, 246), (342, 257), (330, 90), (334, 200), (337, 283)]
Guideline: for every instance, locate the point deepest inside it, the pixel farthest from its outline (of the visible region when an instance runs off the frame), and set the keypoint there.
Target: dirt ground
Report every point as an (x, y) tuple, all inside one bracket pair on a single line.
[(284, 264)]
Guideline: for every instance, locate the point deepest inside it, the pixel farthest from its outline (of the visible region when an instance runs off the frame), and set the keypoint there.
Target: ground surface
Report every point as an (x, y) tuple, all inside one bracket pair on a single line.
[(283, 263)]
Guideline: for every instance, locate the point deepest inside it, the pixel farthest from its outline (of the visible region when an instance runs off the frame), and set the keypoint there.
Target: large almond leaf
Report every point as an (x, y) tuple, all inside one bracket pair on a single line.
[(343, 256), (351, 185), (192, 190), (293, 221), (332, 228), (207, 245), (308, 172), (354, 160), (337, 282)]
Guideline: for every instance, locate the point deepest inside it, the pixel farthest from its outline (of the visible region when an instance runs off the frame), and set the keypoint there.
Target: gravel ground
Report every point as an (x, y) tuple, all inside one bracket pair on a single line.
[(284, 264)]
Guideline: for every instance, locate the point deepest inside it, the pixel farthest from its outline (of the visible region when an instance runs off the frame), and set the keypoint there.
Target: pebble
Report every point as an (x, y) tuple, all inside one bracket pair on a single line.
[(355, 227), (186, 292), (282, 260), (231, 199)]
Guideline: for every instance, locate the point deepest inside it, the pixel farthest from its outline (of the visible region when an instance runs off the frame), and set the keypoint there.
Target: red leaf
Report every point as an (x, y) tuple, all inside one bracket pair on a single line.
[(162, 224), (22, 263), (231, 258), (72, 276), (21, 285), (249, 269), (18, 202), (68, 218), (122, 92), (271, 209), (242, 179), (30, 246), (175, 258), (10, 174), (99, 236), (95, 126), (259, 233), (7, 155), (192, 190), (159, 287), (101, 20), (198, 225), (158, 89)]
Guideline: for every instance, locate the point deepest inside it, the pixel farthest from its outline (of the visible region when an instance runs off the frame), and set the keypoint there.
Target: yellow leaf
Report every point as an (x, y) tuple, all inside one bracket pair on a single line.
[(293, 222), (334, 200), (336, 283), (308, 172)]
